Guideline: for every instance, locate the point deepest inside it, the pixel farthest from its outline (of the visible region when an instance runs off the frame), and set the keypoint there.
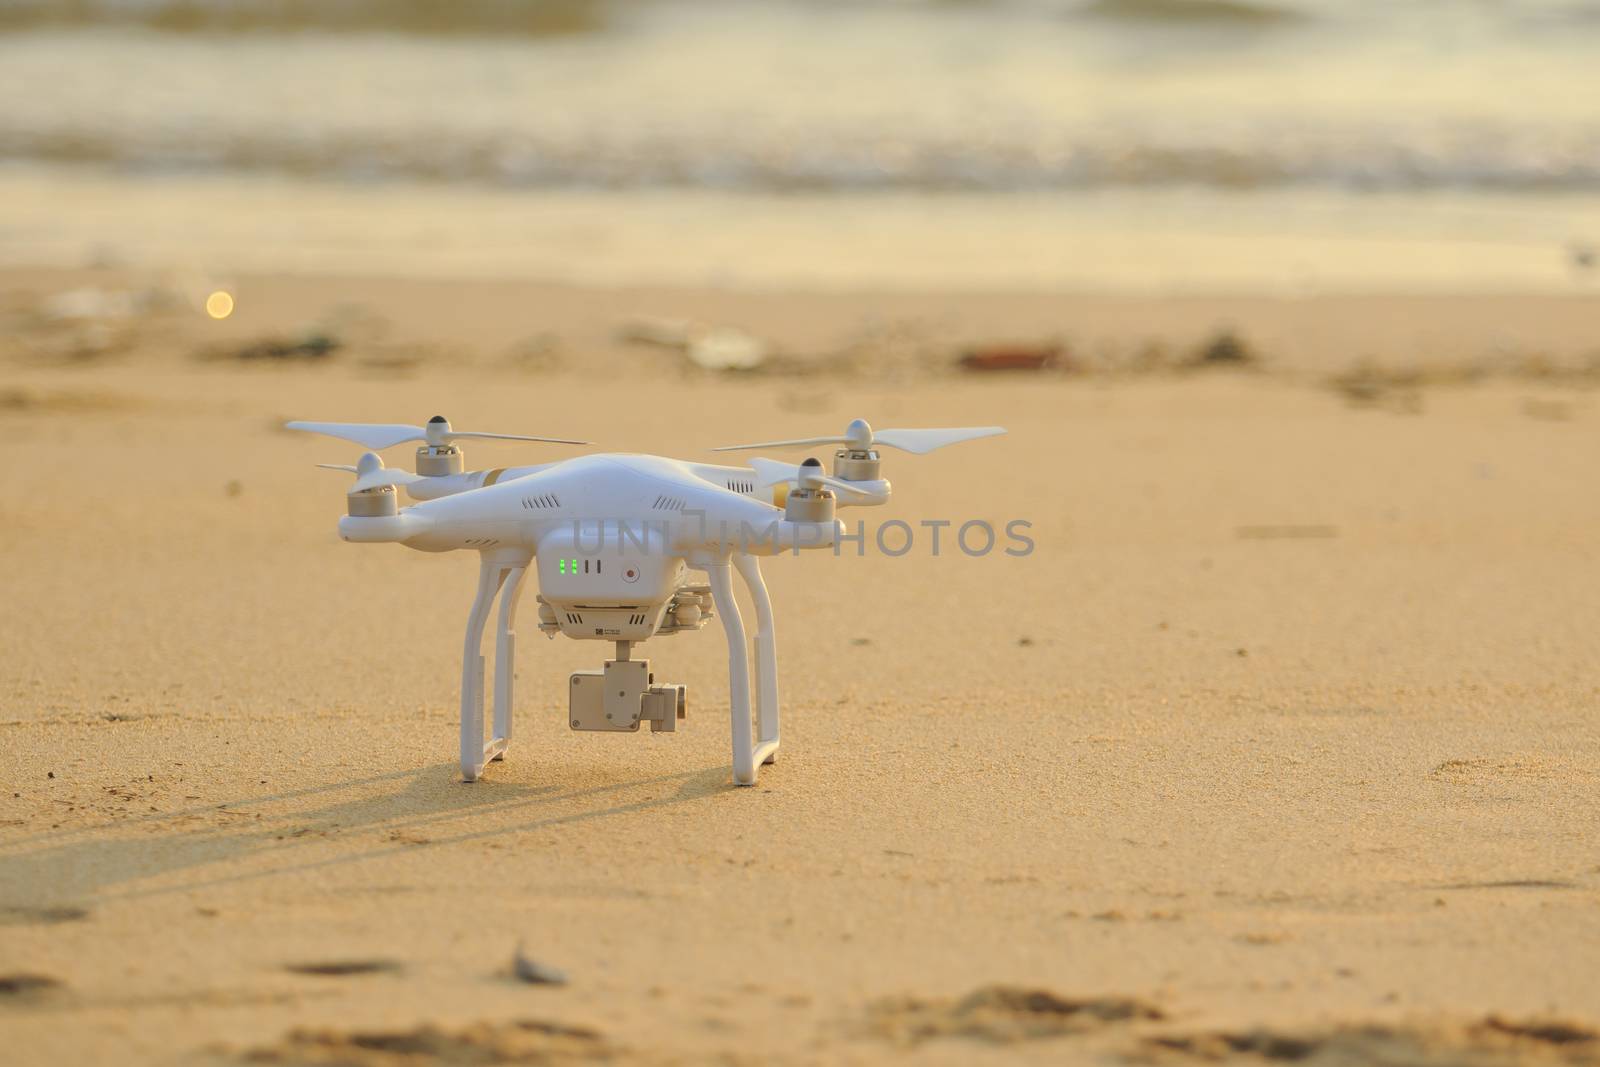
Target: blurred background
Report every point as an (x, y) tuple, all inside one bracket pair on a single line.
[(1289, 307), (1134, 145)]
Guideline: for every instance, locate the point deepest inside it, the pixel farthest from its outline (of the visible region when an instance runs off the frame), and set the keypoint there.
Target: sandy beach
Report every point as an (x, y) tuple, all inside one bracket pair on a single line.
[(1281, 745)]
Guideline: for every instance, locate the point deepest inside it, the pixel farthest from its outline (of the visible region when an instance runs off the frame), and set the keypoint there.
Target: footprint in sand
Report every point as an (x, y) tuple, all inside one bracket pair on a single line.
[(27, 985), (42, 916), (344, 968), (517, 1041), (1491, 1042), (1003, 1014)]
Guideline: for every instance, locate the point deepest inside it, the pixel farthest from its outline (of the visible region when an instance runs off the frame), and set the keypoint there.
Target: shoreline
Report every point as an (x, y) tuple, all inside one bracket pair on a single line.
[(1150, 241)]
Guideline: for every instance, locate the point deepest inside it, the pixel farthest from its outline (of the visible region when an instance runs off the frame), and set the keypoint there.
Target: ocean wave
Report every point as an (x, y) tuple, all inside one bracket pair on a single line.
[(1404, 161), (544, 18), (1194, 12)]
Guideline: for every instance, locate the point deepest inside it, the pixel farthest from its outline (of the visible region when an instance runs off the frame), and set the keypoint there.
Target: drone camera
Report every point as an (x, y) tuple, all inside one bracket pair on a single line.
[(621, 696)]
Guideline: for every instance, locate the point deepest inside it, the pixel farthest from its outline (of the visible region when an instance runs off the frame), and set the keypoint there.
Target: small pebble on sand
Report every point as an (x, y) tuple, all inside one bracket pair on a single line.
[(527, 969)]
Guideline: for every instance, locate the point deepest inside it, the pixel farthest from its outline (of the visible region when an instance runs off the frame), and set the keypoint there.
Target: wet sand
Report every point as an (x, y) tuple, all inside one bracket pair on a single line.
[(1282, 743)]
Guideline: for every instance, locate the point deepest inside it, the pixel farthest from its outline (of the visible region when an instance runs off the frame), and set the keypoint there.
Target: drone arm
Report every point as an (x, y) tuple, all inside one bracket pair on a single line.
[(766, 750)]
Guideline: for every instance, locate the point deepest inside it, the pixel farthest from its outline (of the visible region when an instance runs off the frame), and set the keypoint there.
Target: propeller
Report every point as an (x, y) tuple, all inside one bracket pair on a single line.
[(381, 435), (372, 474), (807, 475), (860, 437)]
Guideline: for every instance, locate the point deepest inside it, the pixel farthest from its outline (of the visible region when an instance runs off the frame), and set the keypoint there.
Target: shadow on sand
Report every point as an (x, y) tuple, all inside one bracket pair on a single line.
[(272, 833)]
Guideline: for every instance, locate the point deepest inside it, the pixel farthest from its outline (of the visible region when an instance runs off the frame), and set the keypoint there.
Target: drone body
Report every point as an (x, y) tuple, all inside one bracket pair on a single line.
[(619, 544)]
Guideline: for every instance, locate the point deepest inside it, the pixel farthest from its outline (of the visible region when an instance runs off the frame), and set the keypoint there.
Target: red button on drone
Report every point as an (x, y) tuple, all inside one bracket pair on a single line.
[(630, 574)]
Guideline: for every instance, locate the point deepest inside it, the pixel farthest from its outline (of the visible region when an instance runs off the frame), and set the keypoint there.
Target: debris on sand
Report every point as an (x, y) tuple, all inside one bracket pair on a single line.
[(310, 347), (1366, 385), (313, 346), (1225, 349), (1012, 357), (662, 332), (1493, 1042), (526, 969), (23, 984), (725, 348), (45, 916), (517, 1041), (715, 348), (344, 968), (1005, 1014)]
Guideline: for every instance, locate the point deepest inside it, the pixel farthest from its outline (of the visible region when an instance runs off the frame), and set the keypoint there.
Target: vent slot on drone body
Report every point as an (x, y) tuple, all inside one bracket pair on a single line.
[(542, 500), (741, 487), (667, 503), (481, 542), (574, 618)]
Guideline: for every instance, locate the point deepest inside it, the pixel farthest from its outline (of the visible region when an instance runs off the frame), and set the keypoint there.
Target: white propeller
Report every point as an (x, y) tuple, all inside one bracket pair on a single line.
[(860, 437), (381, 435), (807, 475), (372, 474)]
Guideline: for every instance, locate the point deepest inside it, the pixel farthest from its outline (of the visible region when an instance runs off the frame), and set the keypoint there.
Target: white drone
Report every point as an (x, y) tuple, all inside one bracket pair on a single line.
[(616, 538)]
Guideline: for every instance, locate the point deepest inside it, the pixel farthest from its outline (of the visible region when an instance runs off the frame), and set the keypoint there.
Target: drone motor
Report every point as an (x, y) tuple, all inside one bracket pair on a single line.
[(378, 502), (438, 461), (810, 500)]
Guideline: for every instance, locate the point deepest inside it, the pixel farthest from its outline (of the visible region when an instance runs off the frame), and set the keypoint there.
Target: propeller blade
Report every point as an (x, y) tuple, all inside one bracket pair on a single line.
[(383, 476), (453, 434), (771, 472), (924, 441), (840, 484), (859, 435), (374, 435), (783, 444), (381, 435), (371, 473)]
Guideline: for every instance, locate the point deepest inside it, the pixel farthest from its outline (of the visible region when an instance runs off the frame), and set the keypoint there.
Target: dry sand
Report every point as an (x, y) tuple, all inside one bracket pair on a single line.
[(1282, 745)]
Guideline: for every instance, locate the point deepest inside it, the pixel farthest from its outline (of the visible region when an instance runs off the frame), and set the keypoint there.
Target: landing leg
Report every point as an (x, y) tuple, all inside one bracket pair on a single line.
[(492, 578), (744, 761), (766, 661), (505, 661)]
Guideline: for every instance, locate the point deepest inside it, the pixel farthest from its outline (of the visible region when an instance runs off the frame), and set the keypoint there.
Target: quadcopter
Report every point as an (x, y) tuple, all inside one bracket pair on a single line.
[(619, 543)]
